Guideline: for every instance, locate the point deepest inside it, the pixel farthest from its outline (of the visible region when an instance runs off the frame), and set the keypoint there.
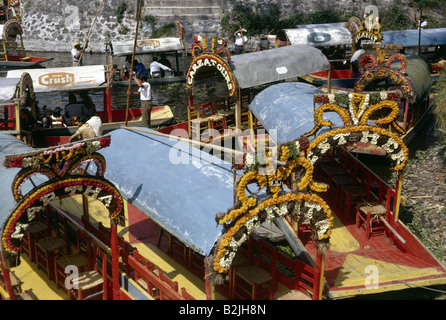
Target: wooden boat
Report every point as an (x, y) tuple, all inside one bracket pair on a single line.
[(145, 232), (169, 242), (353, 249), (12, 54), (75, 80), (170, 46), (227, 116)]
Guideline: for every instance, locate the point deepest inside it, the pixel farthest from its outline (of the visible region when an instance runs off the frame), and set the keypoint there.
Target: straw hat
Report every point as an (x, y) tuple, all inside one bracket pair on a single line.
[(262, 36), (76, 43)]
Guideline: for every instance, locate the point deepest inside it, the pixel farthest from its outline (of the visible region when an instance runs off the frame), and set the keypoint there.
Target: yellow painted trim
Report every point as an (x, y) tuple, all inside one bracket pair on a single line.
[(4, 294), (398, 195), (322, 280), (348, 293)]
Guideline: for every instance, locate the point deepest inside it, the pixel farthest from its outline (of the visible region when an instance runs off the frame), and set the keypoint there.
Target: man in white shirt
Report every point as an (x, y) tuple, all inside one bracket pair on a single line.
[(422, 23), (76, 53), (240, 40), (145, 95), (155, 68), (87, 128)]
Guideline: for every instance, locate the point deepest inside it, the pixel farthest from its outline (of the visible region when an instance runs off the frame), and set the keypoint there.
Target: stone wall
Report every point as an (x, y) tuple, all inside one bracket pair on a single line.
[(53, 25)]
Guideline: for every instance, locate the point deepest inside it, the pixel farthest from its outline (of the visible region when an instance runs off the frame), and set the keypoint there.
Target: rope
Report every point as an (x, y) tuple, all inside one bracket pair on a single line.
[(421, 287)]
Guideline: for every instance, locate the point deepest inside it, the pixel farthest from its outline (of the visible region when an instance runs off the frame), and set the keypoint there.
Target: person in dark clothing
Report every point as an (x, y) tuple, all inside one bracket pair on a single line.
[(73, 109), (163, 60), (263, 43), (29, 131), (139, 68), (88, 102)]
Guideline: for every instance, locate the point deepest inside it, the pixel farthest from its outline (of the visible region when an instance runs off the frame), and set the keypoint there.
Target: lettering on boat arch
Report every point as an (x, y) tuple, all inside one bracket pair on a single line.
[(65, 168), (211, 61), (355, 111), (249, 213), (385, 73), (395, 148)]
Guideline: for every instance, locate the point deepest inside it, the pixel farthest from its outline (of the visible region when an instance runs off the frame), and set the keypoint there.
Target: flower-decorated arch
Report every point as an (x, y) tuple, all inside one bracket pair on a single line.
[(384, 71), (250, 212), (355, 111), (67, 176), (205, 60)]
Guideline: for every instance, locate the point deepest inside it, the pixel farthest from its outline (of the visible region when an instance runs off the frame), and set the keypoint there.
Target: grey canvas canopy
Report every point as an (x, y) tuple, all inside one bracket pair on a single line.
[(284, 63), (317, 35), (8, 90), (122, 48)]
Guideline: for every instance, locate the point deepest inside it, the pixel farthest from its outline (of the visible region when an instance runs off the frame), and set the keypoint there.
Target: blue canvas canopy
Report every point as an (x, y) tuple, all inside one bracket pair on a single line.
[(179, 187), (9, 145), (409, 38), (288, 108)]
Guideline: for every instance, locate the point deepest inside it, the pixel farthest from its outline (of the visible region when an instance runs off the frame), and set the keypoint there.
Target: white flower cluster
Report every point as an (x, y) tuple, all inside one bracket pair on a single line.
[(250, 159), (364, 106), (368, 137), (341, 137)]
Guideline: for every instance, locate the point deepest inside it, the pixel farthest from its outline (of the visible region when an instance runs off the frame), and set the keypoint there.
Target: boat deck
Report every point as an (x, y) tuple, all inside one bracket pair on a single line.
[(354, 264), (357, 265)]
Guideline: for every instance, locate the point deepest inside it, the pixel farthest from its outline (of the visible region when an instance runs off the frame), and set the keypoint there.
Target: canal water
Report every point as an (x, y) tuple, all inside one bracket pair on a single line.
[(174, 95)]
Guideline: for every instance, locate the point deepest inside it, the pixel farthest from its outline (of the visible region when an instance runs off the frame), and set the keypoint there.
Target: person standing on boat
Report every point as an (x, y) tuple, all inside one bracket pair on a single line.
[(155, 68), (240, 40), (145, 95), (354, 61), (422, 23), (76, 53)]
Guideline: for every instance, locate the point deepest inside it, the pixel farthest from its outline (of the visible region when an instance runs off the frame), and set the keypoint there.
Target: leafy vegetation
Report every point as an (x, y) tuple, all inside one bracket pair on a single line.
[(120, 11), (439, 109), (266, 19)]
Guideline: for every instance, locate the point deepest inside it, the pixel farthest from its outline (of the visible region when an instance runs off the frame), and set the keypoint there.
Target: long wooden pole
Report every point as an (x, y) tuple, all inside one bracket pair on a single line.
[(133, 61), (89, 32)]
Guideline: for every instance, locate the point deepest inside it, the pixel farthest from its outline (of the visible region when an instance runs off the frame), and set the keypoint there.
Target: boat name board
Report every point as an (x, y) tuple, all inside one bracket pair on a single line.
[(148, 44), (211, 61), (58, 79), (384, 73)]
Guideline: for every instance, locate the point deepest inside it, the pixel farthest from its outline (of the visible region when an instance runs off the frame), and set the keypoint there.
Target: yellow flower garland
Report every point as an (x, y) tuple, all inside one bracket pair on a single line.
[(289, 197), (360, 128)]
